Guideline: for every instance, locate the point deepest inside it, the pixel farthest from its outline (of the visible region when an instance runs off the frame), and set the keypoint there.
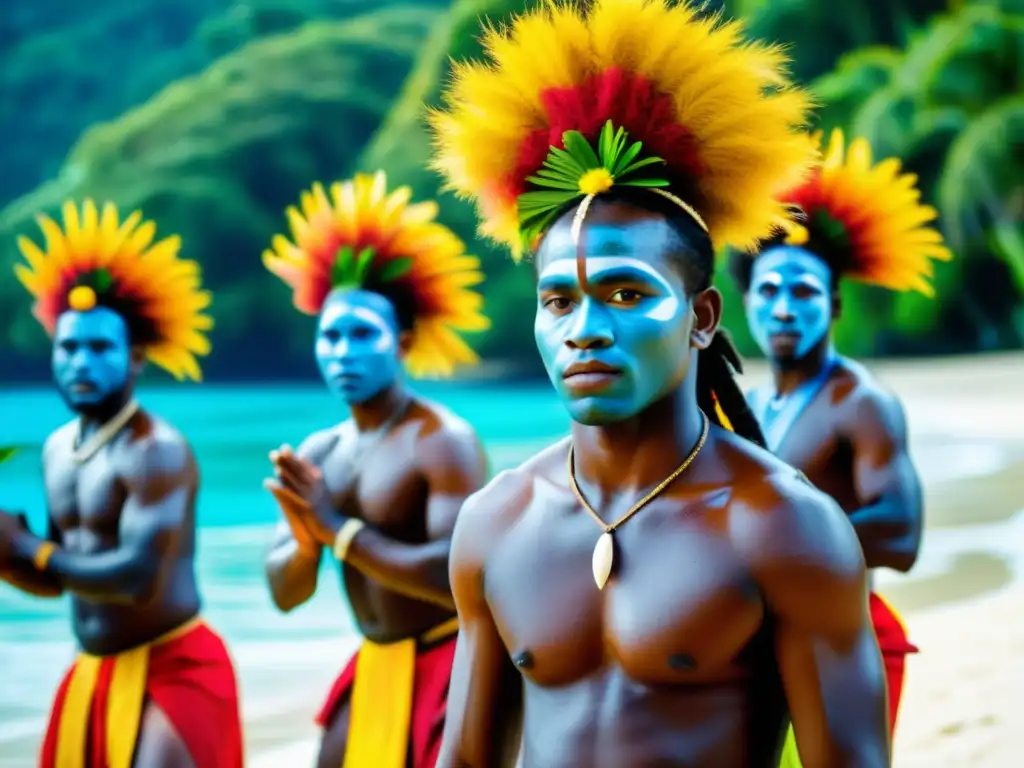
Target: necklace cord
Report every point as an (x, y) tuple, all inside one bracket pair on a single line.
[(610, 528)]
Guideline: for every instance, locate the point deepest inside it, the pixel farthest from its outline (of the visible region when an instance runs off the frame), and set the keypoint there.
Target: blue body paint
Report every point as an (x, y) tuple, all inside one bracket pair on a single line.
[(632, 317), (357, 345), (789, 302), (91, 358)]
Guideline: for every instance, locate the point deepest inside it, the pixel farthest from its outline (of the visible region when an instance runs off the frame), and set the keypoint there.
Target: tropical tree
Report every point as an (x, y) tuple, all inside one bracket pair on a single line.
[(820, 33), (951, 108)]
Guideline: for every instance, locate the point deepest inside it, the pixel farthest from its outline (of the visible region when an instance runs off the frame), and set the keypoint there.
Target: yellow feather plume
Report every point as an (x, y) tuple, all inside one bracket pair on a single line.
[(362, 216), (97, 260), (733, 98), (867, 219)]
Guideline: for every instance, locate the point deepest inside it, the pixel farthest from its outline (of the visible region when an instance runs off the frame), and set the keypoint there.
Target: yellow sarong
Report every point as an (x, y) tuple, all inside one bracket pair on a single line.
[(381, 707)]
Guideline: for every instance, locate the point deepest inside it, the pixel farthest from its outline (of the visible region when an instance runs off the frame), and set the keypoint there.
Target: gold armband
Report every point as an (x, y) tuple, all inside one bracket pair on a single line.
[(346, 534), (43, 554)]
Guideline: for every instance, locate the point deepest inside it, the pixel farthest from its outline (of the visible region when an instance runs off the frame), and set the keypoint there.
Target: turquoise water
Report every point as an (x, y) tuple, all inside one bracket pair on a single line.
[(231, 430)]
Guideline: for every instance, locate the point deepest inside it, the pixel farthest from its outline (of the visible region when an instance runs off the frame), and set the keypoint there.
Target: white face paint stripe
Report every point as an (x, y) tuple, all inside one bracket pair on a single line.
[(337, 312), (812, 282), (598, 264), (777, 280), (772, 278), (784, 261), (663, 309)]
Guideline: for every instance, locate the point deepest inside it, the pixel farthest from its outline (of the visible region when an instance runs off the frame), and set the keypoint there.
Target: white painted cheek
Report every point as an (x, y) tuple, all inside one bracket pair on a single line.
[(665, 309), (322, 348), (549, 333), (552, 327), (386, 343)]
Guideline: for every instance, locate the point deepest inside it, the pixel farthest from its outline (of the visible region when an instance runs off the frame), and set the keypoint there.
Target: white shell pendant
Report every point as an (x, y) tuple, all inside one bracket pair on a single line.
[(603, 559)]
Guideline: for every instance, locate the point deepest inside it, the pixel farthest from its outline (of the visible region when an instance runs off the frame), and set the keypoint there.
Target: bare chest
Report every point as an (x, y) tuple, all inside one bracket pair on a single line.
[(85, 496), (680, 607), (379, 484), (816, 447)]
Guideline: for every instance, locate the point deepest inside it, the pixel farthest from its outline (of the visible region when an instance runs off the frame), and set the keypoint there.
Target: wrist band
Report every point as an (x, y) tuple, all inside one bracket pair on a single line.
[(346, 534), (42, 555)]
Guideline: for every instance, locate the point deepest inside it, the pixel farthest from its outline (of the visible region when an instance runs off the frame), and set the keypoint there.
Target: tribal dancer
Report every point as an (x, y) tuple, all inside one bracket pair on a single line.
[(153, 684), (381, 490), (730, 594), (824, 413)]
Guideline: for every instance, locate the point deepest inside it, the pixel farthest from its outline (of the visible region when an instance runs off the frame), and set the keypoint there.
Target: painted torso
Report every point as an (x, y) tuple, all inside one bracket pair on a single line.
[(672, 663), (378, 480), (85, 503), (815, 441)]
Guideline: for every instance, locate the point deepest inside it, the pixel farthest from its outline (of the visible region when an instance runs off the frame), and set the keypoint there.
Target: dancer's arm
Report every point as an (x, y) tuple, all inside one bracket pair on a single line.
[(890, 521)]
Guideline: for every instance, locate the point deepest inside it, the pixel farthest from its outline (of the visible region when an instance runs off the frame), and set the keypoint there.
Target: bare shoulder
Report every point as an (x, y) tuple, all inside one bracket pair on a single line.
[(152, 447), (317, 446), (738, 459), (865, 399), (781, 521), (487, 514), (60, 440), (441, 431)]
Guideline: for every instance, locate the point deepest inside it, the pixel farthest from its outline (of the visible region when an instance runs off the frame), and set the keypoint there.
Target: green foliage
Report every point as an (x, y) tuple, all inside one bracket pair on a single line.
[(68, 65), (352, 270), (858, 75), (820, 33), (7, 453), (216, 158), (395, 269), (267, 96), (951, 109), (564, 169)]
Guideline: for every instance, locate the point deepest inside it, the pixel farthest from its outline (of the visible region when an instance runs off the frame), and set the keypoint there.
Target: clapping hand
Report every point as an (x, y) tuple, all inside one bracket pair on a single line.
[(300, 489), (292, 509)]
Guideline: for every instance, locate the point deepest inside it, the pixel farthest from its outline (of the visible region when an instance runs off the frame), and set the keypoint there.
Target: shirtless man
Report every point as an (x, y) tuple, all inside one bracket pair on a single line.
[(121, 486), (730, 595), (380, 491), (821, 412)]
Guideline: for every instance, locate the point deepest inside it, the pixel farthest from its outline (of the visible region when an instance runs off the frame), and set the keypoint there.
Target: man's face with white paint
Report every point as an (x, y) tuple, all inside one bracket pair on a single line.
[(357, 345), (631, 315), (789, 302)]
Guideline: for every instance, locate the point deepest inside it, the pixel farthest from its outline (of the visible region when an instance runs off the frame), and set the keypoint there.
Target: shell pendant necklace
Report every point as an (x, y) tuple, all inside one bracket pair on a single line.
[(603, 560)]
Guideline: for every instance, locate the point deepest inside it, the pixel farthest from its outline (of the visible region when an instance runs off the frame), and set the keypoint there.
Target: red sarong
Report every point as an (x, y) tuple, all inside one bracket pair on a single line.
[(895, 645), (187, 673), (398, 695), (892, 640)]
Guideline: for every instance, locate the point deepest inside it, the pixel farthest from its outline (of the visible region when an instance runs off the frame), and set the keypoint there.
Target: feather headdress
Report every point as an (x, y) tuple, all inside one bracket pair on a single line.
[(865, 221), (361, 235), (98, 261), (577, 98)]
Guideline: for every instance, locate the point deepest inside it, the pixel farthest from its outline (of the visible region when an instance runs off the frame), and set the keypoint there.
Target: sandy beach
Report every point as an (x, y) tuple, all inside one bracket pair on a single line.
[(964, 699)]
